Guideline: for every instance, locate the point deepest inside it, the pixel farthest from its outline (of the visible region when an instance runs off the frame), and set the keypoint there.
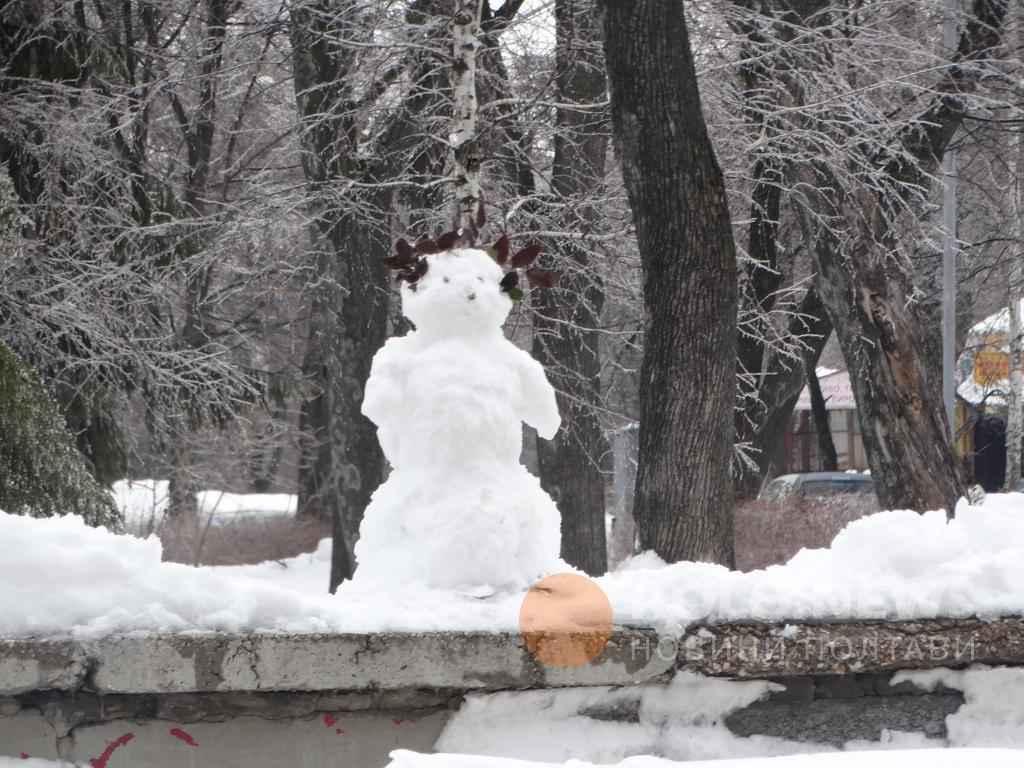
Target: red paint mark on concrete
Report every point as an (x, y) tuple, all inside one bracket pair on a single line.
[(399, 721), (104, 758), (329, 720), (25, 755), (185, 736)]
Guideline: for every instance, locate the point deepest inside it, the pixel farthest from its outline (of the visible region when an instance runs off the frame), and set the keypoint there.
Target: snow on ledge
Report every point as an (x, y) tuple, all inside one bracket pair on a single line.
[(918, 758), (889, 566)]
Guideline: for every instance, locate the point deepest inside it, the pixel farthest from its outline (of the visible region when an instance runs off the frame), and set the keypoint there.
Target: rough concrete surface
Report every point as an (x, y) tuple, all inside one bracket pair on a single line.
[(831, 648), (346, 700), (309, 662)]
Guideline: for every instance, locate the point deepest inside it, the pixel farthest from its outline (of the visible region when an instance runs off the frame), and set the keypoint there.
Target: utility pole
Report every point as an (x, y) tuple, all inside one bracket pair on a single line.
[(1015, 400), (949, 176)]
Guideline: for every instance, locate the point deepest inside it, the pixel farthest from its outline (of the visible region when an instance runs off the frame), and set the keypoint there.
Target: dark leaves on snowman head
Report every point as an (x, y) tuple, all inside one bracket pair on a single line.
[(526, 256), (404, 250), (509, 281), (413, 273), (426, 247), (410, 263), (499, 251), (449, 240), (541, 278), (409, 267), (404, 257)]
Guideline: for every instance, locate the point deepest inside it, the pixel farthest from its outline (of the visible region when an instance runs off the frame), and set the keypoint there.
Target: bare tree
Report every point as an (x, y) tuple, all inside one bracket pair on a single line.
[(683, 503), (349, 298), (855, 160), (93, 286), (567, 337)]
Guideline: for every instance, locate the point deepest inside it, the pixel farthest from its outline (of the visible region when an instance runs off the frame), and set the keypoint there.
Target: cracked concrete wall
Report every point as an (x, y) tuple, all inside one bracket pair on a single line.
[(348, 739), (348, 700), (359, 730)]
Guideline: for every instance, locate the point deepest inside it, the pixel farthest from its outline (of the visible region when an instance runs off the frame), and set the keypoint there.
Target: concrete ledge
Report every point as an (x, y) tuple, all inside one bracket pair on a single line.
[(30, 665), (466, 661), (274, 699), (839, 648), (274, 662)]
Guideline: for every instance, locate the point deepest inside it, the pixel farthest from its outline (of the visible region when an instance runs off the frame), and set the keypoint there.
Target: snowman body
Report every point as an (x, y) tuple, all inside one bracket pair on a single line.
[(458, 510)]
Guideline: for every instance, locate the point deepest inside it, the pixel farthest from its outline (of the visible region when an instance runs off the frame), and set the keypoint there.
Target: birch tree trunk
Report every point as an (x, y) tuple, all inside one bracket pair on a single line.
[(464, 140), (683, 504)]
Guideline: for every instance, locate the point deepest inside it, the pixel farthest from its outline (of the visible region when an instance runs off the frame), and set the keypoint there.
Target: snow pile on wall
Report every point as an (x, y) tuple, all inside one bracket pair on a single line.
[(924, 758), (890, 565), (60, 576)]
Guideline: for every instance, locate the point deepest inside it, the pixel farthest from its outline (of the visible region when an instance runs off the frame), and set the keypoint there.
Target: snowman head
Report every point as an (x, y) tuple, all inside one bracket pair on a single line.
[(459, 294)]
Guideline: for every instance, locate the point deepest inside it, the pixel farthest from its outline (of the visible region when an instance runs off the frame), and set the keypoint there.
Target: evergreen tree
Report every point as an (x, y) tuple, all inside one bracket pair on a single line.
[(42, 473)]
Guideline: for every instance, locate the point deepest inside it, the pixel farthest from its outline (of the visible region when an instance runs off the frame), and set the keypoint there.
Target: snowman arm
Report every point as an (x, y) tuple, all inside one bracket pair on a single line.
[(383, 393), (539, 402)]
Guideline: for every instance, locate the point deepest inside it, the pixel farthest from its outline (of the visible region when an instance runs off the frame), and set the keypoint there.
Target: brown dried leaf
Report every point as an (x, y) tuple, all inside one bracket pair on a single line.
[(425, 246), (541, 278), (501, 250), (448, 240), (404, 250), (526, 256)]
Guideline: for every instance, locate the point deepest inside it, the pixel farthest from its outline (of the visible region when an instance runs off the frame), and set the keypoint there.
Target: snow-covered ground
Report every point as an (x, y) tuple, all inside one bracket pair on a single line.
[(143, 503), (924, 758), (889, 565)]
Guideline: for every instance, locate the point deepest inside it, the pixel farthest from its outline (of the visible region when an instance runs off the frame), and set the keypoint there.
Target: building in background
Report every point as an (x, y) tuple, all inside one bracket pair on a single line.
[(801, 448)]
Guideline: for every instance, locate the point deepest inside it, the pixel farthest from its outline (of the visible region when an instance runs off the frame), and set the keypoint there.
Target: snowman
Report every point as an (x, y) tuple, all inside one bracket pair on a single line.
[(458, 511)]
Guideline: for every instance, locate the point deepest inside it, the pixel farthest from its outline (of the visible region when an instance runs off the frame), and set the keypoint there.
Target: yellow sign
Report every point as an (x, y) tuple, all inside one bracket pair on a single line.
[(992, 362)]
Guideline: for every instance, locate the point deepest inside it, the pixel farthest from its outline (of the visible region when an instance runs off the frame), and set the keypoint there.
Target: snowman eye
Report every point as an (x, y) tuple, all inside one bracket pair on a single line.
[(447, 280), (479, 279)]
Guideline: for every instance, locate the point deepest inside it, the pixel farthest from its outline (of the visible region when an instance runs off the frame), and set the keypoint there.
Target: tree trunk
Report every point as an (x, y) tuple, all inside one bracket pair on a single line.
[(826, 446), (767, 402), (779, 392), (343, 464), (348, 316), (902, 419), (683, 504), (464, 139), (566, 338), (867, 291)]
